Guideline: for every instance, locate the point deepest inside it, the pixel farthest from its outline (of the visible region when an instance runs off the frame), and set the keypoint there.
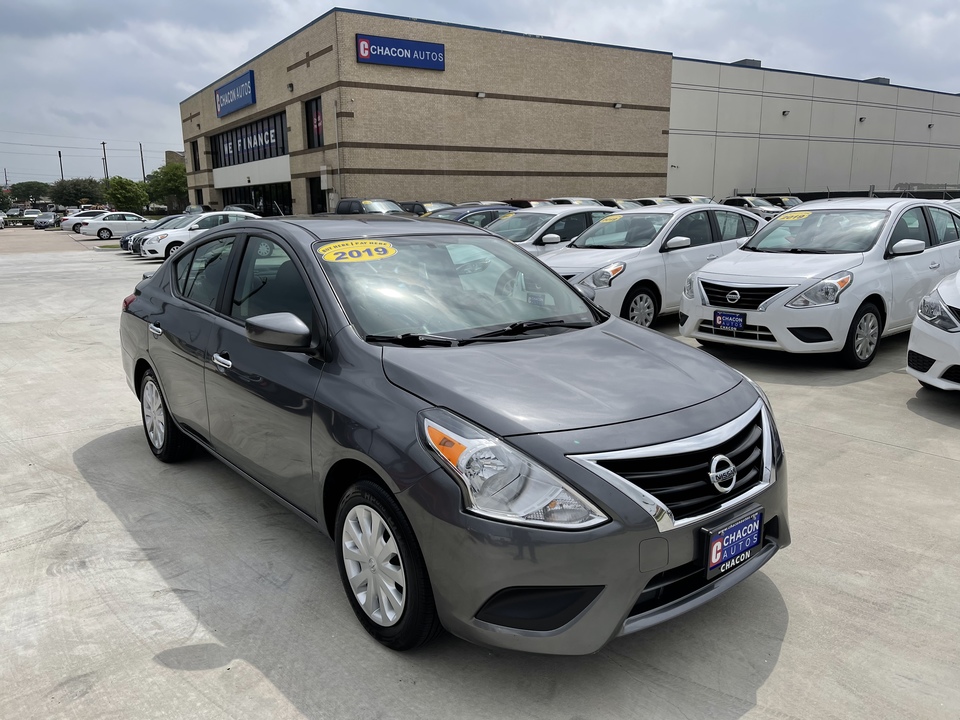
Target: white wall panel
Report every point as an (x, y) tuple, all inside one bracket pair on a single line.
[(783, 165), (691, 165), (736, 165), (694, 109), (828, 165), (832, 119), (943, 166), (909, 165), (879, 123), (871, 166), (690, 72), (738, 113)]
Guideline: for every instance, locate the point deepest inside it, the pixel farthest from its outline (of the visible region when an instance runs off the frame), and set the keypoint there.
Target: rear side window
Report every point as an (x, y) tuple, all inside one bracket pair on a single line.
[(198, 275), (944, 226), (730, 224)]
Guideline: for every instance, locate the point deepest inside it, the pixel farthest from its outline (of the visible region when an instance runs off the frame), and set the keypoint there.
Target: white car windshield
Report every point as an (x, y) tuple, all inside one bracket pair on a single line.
[(381, 206), (759, 202), (833, 231), (622, 231), (519, 226)]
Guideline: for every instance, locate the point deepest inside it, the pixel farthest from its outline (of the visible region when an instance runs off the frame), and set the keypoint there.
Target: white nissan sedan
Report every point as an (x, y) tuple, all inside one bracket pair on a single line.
[(933, 355), (166, 243), (831, 276), (114, 223), (637, 260)]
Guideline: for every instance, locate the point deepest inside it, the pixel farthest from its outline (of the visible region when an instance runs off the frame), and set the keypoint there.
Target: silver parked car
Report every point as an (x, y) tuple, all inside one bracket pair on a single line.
[(547, 227)]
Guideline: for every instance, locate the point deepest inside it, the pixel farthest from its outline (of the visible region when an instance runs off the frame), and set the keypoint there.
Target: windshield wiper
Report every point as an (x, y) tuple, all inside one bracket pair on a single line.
[(518, 328), (414, 340), (810, 251)]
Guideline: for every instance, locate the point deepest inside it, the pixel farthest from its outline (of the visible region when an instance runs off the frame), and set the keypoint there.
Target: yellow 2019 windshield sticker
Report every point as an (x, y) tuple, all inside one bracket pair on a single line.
[(356, 251), (798, 215), (611, 218)]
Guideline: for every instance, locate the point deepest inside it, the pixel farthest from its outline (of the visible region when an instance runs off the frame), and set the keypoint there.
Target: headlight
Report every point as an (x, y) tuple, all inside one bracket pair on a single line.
[(934, 311), (825, 292), (500, 482), (154, 240), (603, 277), (688, 286)]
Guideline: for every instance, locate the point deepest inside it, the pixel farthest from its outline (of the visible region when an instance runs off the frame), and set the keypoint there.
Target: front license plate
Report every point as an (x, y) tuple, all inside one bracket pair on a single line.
[(733, 544), (729, 320)]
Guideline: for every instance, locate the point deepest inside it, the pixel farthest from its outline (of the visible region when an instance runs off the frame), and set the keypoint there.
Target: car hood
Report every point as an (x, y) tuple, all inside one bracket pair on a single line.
[(583, 259), (949, 290), (611, 373), (747, 266)]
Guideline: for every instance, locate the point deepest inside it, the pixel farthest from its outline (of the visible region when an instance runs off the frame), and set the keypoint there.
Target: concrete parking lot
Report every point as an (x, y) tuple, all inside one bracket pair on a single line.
[(131, 588)]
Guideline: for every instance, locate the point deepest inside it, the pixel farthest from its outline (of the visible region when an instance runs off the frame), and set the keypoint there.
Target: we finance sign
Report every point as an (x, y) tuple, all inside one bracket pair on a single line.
[(236, 94), (402, 53)]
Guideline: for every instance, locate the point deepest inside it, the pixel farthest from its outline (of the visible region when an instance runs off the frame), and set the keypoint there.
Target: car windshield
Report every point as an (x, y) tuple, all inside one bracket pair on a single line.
[(431, 206), (182, 222), (628, 205), (519, 226), (833, 231), (622, 231), (758, 201), (448, 286), (381, 206), (46, 216), (167, 221), (791, 201)]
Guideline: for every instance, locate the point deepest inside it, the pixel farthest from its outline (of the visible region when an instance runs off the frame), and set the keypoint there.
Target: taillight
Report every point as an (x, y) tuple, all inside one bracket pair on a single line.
[(128, 300), (85, 222)]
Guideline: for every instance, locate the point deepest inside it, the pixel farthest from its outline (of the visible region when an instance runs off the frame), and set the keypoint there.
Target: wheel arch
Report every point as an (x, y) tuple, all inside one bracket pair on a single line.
[(338, 479), (139, 370), (878, 302), (644, 283)]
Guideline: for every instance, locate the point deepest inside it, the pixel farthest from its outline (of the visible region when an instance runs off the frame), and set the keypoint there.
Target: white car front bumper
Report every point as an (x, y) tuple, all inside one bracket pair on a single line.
[(933, 355)]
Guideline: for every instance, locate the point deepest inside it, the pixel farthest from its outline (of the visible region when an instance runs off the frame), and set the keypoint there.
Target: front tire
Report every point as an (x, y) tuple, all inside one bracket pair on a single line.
[(104, 233), (640, 306), (171, 249), (167, 442), (382, 569), (863, 337)]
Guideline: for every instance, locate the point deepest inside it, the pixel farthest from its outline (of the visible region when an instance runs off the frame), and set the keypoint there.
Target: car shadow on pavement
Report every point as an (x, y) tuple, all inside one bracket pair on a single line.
[(235, 580), (941, 406)]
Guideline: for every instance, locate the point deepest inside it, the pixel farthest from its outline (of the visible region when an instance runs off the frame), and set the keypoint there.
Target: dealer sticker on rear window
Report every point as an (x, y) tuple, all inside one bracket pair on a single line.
[(356, 251), (611, 218), (798, 215)]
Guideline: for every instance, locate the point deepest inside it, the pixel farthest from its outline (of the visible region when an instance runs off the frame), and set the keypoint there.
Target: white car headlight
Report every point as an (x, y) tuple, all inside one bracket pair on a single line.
[(604, 276), (500, 482), (825, 292), (154, 240), (934, 311), (688, 286)]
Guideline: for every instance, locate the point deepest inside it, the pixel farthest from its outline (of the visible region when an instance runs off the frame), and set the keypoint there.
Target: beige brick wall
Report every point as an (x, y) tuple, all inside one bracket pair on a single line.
[(558, 122)]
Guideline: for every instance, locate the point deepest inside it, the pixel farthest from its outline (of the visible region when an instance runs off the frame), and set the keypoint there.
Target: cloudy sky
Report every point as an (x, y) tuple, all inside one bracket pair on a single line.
[(78, 74)]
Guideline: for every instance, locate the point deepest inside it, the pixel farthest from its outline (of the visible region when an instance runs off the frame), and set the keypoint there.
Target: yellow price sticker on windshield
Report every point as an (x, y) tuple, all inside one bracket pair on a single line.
[(798, 215), (356, 251), (505, 216), (611, 218)]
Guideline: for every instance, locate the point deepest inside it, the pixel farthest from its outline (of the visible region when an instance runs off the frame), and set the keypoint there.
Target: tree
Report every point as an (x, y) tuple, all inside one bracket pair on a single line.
[(4, 200), (75, 191), (127, 195), (24, 191), (168, 182)]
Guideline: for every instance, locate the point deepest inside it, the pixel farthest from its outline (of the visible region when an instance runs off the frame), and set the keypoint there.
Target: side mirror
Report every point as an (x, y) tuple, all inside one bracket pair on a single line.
[(551, 239), (675, 243), (278, 331), (194, 227), (908, 247), (588, 292)]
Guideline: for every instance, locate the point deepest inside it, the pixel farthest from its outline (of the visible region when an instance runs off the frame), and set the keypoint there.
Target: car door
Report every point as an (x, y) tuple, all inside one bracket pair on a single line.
[(261, 401), (679, 263), (945, 228), (179, 331), (732, 229), (911, 276)]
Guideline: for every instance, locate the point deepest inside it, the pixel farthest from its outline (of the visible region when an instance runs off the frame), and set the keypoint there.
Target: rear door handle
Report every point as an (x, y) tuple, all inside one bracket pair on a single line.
[(934, 266), (712, 257), (221, 361), (155, 330)]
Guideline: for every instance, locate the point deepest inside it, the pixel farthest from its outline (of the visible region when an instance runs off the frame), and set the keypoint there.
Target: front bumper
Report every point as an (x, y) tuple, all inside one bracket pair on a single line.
[(803, 330), (629, 575), (928, 343)]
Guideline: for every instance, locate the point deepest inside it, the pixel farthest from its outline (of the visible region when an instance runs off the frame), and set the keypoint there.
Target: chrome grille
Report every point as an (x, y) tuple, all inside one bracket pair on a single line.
[(750, 298)]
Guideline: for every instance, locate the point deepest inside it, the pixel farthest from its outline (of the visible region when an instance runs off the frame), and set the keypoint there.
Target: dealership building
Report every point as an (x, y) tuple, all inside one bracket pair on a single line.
[(359, 104)]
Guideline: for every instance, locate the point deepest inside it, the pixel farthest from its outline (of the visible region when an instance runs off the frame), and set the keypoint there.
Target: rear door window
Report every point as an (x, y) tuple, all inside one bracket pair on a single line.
[(199, 275), (945, 227)]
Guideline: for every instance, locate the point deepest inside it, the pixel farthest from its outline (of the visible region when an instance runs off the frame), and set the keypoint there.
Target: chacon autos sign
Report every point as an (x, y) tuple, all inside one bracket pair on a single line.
[(236, 94), (402, 53)]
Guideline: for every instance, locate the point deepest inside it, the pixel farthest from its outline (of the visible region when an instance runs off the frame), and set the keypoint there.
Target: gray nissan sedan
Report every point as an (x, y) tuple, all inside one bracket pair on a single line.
[(490, 452)]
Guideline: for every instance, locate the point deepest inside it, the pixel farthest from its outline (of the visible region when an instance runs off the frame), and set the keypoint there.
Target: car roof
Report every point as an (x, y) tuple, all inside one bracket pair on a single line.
[(345, 227), (865, 203), (561, 209), (660, 209)]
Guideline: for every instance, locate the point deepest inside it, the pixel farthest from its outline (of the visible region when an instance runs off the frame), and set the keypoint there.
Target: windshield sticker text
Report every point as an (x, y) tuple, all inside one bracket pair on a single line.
[(356, 251)]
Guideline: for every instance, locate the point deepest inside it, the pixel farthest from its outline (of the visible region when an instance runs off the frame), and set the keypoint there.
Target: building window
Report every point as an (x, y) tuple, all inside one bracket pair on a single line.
[(314, 123), (199, 193), (267, 200), (258, 140), (318, 196), (195, 151)]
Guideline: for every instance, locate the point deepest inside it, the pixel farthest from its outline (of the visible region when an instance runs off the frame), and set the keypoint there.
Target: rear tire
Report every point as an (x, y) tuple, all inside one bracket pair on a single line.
[(167, 442), (104, 233), (382, 569), (863, 337), (76, 228)]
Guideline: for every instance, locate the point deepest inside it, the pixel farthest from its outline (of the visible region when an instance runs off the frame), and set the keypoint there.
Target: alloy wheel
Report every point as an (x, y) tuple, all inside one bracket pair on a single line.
[(154, 417), (866, 336)]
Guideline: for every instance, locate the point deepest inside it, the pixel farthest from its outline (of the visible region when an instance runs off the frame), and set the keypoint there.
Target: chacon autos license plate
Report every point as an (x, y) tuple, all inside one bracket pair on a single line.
[(729, 320), (734, 543)]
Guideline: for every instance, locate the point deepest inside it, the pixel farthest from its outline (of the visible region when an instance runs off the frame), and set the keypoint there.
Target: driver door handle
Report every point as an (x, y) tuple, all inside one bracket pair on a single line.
[(222, 361), (934, 266), (712, 257), (155, 330)]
